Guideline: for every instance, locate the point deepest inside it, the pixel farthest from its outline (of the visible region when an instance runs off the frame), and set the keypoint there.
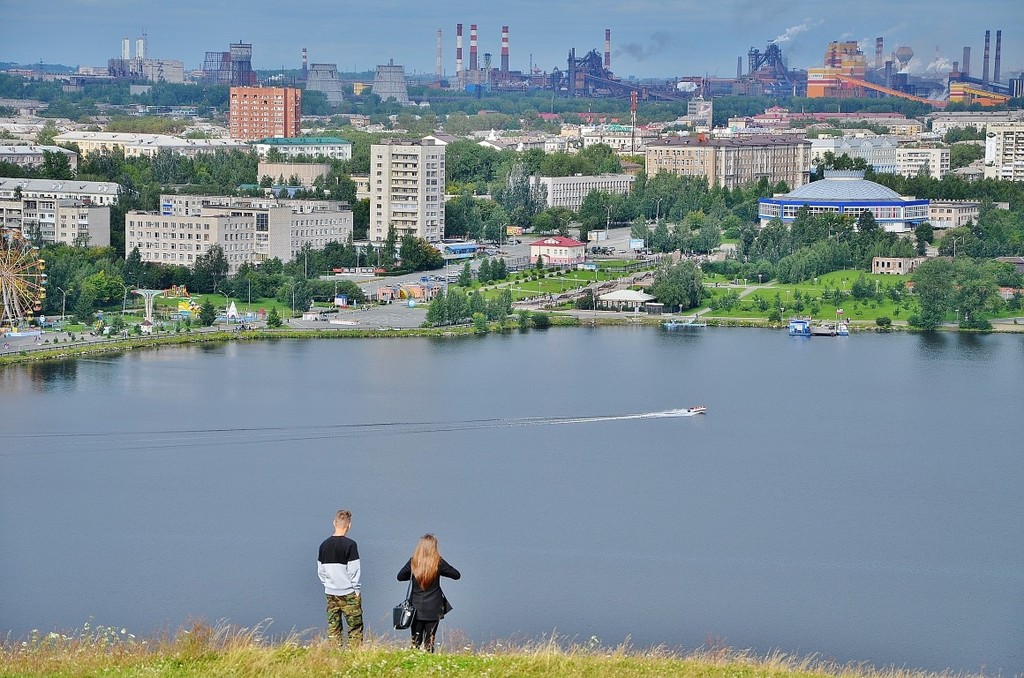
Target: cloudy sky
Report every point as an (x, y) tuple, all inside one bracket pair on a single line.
[(650, 38)]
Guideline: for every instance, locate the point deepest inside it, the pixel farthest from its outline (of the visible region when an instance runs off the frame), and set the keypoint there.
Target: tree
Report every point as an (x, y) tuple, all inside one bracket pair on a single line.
[(56, 165), (207, 313), (866, 222), (679, 286), (923, 234), (933, 284), (273, 317), (210, 269), (483, 274), (466, 276), (389, 252)]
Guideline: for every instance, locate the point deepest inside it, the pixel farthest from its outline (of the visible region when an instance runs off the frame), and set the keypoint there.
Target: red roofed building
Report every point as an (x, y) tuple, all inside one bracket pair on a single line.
[(558, 251)]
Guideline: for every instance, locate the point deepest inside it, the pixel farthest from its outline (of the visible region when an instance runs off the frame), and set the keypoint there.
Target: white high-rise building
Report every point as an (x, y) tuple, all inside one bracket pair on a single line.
[(407, 189), (1004, 151)]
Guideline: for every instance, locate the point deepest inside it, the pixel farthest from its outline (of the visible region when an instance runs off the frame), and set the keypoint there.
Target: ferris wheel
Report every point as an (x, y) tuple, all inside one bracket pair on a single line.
[(22, 278)]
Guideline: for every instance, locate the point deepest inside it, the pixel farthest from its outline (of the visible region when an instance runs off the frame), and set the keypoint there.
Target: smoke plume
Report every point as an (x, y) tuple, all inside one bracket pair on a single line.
[(794, 31), (658, 42)]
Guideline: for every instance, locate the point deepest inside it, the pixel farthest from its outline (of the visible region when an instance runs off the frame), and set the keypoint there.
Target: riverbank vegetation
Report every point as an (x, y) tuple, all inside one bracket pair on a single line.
[(202, 650)]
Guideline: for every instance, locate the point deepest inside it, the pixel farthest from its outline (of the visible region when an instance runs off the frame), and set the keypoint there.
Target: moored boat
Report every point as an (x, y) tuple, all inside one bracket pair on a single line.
[(799, 327)]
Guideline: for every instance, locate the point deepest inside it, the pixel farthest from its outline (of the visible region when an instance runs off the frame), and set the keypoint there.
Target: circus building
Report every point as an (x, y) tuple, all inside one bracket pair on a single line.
[(848, 193)]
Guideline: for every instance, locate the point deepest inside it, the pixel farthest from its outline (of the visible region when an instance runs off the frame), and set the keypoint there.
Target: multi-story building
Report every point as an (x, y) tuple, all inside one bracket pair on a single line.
[(847, 193), (878, 151), (407, 189), (914, 159), (49, 211), (262, 112), (313, 147), (733, 162), (957, 213), (33, 156), (569, 192), (944, 121), (622, 138), (1004, 151), (249, 230), (138, 145), (284, 172)]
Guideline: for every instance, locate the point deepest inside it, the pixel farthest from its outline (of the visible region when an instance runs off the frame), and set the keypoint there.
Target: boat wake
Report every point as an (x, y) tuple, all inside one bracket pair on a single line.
[(44, 443)]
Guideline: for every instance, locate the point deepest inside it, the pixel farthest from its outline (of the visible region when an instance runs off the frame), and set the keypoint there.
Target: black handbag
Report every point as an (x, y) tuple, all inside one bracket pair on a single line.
[(403, 613)]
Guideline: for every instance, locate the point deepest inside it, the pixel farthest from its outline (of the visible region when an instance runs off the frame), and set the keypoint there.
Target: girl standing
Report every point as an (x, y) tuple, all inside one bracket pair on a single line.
[(426, 567)]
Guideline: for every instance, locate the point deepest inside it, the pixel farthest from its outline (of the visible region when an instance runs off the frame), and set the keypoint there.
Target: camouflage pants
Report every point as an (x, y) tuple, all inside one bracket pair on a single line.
[(351, 608)]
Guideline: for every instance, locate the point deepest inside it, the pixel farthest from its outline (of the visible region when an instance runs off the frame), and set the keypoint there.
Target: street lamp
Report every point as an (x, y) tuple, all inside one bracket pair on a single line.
[(124, 301), (961, 239), (293, 299), (63, 298), (657, 212)]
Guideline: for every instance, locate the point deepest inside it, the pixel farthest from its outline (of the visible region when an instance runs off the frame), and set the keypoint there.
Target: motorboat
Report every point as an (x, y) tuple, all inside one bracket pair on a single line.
[(697, 409)]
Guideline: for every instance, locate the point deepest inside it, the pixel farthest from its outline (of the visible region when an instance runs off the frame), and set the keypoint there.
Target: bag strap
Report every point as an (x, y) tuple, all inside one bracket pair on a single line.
[(408, 594)]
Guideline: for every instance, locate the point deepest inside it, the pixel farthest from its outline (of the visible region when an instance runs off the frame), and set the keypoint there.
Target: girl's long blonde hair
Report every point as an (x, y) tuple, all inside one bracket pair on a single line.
[(426, 560)]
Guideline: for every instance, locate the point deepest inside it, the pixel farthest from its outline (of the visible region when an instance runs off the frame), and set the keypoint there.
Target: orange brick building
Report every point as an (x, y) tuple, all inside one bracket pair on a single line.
[(265, 112)]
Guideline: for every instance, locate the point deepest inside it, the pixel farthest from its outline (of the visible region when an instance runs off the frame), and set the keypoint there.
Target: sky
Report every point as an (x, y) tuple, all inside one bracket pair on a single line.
[(650, 38)]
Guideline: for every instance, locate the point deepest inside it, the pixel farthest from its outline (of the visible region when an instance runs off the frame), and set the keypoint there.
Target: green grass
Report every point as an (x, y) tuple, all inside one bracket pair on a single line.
[(201, 650)]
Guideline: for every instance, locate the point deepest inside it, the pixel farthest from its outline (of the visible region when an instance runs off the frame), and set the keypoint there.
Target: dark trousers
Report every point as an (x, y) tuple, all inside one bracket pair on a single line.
[(423, 632)]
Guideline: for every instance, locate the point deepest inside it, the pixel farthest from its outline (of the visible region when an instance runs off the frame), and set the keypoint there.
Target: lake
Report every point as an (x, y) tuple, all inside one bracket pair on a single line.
[(854, 498)]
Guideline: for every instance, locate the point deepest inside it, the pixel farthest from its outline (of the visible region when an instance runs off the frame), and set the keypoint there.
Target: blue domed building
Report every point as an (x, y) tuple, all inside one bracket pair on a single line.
[(847, 193)]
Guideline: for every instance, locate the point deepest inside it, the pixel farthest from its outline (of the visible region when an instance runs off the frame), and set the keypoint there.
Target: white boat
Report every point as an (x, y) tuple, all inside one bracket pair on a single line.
[(697, 409), (675, 323)]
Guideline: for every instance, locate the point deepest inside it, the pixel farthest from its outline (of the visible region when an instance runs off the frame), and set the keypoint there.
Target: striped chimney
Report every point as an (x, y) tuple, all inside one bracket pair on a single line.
[(607, 49), (472, 48), (458, 48), (879, 50), (504, 49)]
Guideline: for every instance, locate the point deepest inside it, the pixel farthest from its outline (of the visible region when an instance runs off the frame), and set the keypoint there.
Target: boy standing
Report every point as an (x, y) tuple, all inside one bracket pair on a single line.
[(338, 567)]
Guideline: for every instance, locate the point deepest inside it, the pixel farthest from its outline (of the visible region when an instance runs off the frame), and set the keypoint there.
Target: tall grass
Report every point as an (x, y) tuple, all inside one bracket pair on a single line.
[(201, 649)]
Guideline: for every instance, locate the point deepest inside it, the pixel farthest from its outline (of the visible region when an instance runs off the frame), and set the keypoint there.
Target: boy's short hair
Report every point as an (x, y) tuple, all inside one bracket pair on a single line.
[(343, 516)]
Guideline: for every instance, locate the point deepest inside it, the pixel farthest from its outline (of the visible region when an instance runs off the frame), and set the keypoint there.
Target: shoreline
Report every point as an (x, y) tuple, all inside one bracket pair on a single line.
[(558, 319)]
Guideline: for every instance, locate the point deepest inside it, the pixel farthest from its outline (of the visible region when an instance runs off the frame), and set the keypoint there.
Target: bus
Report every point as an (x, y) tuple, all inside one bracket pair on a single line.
[(459, 250)]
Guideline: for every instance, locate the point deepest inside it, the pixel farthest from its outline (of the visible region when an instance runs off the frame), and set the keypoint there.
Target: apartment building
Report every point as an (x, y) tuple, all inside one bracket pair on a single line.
[(957, 213), (623, 139), (733, 162), (257, 113), (313, 147), (916, 159), (569, 192), (145, 145), (407, 189), (249, 230), (33, 156), (879, 152), (51, 211), (1004, 151)]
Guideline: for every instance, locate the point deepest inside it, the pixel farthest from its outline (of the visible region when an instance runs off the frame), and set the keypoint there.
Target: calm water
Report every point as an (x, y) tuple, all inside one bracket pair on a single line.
[(855, 498)]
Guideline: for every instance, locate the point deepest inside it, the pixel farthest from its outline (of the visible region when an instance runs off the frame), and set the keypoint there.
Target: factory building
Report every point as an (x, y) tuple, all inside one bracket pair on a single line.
[(262, 112), (846, 193), (249, 230), (733, 162), (142, 68), (407, 189), (233, 67)]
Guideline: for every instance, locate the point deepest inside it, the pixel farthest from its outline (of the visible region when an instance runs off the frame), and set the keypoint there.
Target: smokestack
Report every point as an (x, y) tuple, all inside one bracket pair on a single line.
[(879, 50), (739, 67), (607, 49), (999, 54), (888, 73), (458, 49), (504, 49), (126, 48), (305, 66), (140, 48), (984, 63), (473, 65), (966, 70), (440, 63)]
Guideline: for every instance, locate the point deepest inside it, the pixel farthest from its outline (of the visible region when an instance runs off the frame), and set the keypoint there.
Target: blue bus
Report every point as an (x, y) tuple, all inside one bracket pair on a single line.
[(459, 250)]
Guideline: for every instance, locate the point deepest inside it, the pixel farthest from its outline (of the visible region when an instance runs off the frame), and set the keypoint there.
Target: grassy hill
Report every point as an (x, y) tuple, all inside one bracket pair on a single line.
[(202, 650)]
